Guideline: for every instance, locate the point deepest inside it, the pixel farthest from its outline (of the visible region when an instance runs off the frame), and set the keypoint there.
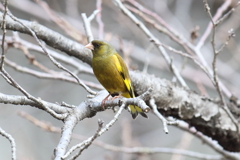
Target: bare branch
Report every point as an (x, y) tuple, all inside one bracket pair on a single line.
[(87, 24), (227, 14), (88, 109), (183, 41), (17, 86), (12, 142), (17, 42), (52, 59), (160, 116), (89, 140), (231, 35), (86, 145), (194, 59), (61, 22), (22, 100), (51, 38), (151, 36), (199, 111), (133, 150), (207, 32), (167, 99), (3, 26), (99, 20), (66, 133), (184, 126), (215, 76), (53, 76)]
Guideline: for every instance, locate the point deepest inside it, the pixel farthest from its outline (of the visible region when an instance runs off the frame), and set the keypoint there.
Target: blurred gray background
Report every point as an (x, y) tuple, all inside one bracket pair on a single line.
[(183, 15)]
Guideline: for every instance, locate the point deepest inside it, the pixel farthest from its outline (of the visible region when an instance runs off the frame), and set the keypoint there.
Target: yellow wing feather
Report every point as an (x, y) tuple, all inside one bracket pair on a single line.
[(123, 71)]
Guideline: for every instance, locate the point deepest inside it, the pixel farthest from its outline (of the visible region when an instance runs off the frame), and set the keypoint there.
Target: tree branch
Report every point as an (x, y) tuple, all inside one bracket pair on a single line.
[(51, 38), (203, 113), (12, 142)]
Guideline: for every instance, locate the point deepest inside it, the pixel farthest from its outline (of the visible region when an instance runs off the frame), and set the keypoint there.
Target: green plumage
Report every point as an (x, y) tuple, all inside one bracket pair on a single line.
[(112, 72)]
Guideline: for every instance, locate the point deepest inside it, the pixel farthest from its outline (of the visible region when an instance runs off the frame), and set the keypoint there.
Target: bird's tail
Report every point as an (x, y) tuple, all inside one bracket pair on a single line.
[(134, 109)]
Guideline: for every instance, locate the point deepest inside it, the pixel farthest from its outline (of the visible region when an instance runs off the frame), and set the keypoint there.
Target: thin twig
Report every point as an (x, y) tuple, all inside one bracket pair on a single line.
[(103, 130), (160, 116), (165, 28), (228, 155), (194, 59), (87, 24), (215, 76), (99, 20), (155, 16), (220, 11), (184, 42), (130, 150), (68, 105), (12, 142), (52, 59), (147, 61), (227, 14), (61, 22), (93, 15), (88, 143), (3, 26), (52, 75), (29, 96), (17, 42), (152, 37), (34, 61), (41, 124), (12, 82), (23, 100), (231, 35)]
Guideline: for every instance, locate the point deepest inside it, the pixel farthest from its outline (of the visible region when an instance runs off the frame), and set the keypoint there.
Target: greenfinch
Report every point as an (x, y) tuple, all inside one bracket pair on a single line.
[(112, 72)]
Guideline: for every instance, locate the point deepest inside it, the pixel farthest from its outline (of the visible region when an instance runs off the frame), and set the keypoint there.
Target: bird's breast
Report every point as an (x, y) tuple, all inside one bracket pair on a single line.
[(107, 74)]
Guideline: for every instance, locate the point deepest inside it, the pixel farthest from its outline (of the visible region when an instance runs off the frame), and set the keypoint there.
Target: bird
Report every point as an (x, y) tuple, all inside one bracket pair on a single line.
[(112, 72)]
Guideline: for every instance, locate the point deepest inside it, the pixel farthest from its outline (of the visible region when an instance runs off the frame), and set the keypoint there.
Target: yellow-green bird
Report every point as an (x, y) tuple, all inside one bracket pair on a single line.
[(112, 72)]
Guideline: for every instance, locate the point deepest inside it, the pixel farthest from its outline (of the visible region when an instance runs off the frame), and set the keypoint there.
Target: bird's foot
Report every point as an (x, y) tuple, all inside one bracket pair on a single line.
[(115, 97), (103, 102)]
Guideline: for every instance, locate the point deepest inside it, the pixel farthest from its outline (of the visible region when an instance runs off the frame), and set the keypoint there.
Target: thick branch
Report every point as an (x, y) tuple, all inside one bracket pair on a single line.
[(87, 109), (51, 38), (203, 113)]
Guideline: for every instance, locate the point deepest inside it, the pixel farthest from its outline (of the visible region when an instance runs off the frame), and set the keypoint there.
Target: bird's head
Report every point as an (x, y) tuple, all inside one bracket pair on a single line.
[(99, 47)]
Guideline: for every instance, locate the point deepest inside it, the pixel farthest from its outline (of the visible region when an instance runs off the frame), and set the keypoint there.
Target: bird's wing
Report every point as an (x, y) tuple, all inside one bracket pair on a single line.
[(123, 71)]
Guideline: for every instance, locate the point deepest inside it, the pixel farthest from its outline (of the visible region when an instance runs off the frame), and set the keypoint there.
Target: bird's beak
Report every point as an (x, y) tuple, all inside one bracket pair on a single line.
[(89, 46)]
